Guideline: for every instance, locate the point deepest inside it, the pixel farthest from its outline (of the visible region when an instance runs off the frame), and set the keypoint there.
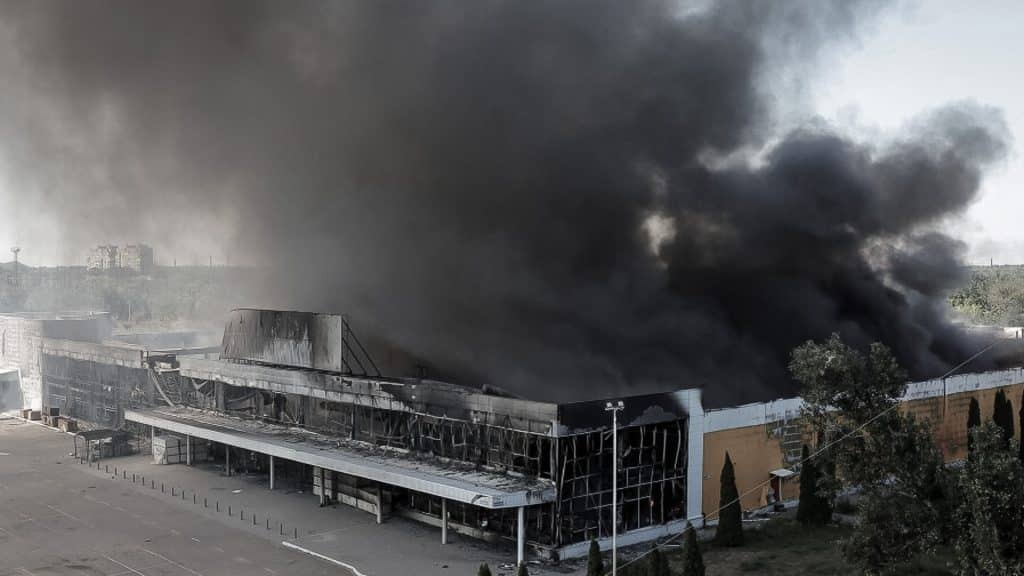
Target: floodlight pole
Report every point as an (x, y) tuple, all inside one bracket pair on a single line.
[(614, 408)]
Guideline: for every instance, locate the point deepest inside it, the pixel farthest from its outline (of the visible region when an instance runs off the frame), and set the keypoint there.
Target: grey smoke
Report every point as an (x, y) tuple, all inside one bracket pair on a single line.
[(476, 180)]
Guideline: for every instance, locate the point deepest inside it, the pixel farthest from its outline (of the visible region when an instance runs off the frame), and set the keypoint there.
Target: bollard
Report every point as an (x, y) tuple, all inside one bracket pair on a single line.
[(182, 494), (253, 519), (218, 505), (152, 484), (124, 474), (133, 477), (106, 467), (241, 514), (229, 509), (161, 487), (280, 528), (205, 505), (296, 533), (268, 523), (193, 497), (172, 490)]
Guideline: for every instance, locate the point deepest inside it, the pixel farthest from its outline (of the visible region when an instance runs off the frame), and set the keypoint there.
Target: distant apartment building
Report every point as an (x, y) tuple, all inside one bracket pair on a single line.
[(103, 258), (136, 258)]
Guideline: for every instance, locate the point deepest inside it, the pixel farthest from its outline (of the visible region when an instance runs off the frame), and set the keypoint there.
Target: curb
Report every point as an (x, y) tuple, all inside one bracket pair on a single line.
[(354, 570)]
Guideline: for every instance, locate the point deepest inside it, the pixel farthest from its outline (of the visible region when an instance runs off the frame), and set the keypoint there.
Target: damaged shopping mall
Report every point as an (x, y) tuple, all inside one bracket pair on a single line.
[(296, 396), (295, 399)]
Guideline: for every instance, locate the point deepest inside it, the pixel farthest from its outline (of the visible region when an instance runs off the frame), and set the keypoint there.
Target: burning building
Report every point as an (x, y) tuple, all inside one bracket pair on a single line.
[(297, 398), (300, 392)]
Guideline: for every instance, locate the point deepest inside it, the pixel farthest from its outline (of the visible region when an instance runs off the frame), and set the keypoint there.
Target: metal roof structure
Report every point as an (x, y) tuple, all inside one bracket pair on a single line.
[(453, 481)]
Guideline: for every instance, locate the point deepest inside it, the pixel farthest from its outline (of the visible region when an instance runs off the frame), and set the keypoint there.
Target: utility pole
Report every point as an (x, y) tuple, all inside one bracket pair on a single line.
[(614, 409), (15, 250)]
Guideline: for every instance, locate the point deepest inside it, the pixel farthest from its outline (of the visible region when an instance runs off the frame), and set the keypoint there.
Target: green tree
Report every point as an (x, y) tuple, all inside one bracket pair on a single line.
[(889, 457), (1002, 414), (693, 561), (991, 509), (595, 564), (523, 571), (851, 395), (973, 421), (814, 509), (730, 516), (901, 513), (484, 570), (837, 379)]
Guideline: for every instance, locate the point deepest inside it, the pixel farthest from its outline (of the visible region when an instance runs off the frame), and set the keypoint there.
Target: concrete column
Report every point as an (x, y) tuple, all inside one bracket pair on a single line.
[(691, 400), (521, 536), (323, 489), (380, 504), (188, 450), (444, 521), (271, 472), (227, 460)]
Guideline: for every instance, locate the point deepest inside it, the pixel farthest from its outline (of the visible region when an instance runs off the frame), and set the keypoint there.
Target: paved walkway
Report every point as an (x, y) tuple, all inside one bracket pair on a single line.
[(58, 518), (397, 547)]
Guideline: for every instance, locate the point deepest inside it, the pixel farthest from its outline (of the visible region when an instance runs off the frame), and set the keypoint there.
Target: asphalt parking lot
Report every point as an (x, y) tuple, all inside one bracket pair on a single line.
[(58, 518)]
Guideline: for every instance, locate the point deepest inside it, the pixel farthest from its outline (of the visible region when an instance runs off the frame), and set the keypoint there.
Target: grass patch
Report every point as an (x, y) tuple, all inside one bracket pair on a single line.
[(785, 547)]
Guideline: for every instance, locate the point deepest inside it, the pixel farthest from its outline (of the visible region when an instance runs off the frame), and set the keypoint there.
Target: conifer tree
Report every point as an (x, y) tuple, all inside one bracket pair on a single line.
[(1002, 415), (973, 421), (484, 570), (730, 517), (1020, 418), (814, 509), (693, 562), (595, 564)]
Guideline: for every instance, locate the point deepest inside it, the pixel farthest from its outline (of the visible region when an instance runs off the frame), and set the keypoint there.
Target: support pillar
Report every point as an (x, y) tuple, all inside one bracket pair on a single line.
[(188, 450), (521, 535), (271, 472), (227, 460), (323, 489), (444, 521), (380, 504)]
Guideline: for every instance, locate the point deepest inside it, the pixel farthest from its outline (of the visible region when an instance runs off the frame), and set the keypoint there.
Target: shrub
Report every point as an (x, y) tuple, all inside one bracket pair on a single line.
[(693, 561), (595, 564)]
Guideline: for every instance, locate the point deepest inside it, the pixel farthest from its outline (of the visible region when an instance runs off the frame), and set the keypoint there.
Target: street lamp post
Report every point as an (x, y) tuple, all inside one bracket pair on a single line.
[(614, 408)]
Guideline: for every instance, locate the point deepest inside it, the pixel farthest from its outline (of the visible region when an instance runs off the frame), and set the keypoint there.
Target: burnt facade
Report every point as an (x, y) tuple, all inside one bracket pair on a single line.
[(295, 370), (568, 446)]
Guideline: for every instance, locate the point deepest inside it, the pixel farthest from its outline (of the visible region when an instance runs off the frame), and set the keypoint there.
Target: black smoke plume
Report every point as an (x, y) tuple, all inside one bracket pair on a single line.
[(565, 199)]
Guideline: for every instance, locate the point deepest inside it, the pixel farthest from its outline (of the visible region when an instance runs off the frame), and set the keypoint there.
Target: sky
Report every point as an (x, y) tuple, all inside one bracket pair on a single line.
[(921, 56), (918, 56), (483, 172)]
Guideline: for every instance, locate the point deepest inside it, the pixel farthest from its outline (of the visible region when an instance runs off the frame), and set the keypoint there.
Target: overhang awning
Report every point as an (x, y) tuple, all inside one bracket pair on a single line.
[(454, 482), (101, 434)]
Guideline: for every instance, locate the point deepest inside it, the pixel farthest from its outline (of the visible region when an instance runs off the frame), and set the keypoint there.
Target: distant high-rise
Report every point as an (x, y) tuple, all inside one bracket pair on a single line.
[(136, 258)]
